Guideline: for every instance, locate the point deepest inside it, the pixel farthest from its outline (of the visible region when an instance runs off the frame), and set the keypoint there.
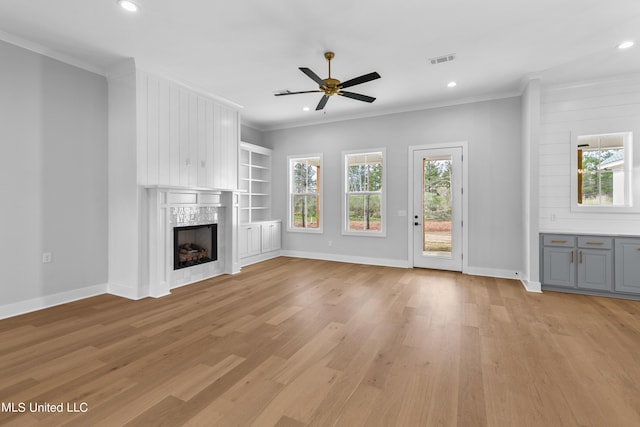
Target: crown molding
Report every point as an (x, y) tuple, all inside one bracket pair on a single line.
[(51, 53), (388, 111)]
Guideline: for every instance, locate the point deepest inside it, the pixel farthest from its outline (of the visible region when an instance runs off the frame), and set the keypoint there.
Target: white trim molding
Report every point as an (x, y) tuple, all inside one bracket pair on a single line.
[(533, 287), (465, 198), (381, 262), (47, 301)]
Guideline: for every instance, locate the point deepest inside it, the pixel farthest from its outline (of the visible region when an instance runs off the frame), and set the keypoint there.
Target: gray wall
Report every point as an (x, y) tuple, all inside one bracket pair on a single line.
[(53, 176), (493, 132), (251, 135)]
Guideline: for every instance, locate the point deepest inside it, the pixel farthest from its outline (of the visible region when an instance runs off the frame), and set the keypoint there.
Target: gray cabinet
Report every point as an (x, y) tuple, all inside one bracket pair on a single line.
[(627, 265), (559, 267), (559, 260), (585, 264), (595, 263)]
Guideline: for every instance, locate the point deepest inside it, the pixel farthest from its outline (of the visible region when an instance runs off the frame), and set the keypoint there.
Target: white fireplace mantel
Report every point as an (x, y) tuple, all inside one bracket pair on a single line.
[(170, 207)]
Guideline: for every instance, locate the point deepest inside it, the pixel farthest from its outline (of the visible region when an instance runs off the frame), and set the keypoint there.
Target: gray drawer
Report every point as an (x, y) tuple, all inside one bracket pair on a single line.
[(595, 242), (559, 240)]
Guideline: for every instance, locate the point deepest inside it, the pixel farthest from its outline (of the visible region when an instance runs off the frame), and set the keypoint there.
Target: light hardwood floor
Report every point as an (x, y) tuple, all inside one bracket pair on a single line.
[(293, 342)]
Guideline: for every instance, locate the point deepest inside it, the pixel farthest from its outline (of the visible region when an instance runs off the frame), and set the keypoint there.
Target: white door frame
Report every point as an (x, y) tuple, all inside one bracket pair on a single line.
[(465, 198)]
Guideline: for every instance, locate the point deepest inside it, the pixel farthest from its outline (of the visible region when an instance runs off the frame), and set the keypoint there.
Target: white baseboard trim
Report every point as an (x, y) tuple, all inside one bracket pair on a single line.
[(382, 262), (493, 272), (35, 304), (124, 292), (259, 258), (535, 287)]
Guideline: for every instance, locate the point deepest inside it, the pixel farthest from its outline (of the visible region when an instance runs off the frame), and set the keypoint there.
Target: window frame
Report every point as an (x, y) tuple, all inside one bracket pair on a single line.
[(291, 194), (346, 193), (629, 191)]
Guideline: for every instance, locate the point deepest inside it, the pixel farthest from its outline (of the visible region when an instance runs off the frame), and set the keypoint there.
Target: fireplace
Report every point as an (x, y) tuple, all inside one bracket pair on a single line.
[(194, 245)]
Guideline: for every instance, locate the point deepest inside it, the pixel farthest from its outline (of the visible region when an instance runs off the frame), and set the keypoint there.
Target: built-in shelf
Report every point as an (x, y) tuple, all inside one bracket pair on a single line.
[(255, 180)]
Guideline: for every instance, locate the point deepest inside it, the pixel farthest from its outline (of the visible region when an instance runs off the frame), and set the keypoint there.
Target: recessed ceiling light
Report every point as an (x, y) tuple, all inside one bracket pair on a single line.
[(128, 5), (305, 108), (625, 45), (452, 84)]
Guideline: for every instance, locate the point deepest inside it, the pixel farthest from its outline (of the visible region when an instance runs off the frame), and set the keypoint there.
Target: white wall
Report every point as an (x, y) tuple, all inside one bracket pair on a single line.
[(604, 106), (530, 184), (493, 132), (53, 179)]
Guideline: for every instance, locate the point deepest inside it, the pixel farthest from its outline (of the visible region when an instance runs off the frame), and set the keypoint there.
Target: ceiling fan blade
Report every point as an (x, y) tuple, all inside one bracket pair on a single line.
[(296, 93), (322, 103), (313, 76), (359, 80), (357, 96)]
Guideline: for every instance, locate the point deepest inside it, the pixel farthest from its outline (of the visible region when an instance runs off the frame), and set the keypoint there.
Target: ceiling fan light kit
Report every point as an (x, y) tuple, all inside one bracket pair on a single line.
[(331, 86)]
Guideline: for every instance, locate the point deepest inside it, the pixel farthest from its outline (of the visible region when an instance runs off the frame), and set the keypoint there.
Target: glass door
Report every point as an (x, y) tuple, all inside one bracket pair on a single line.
[(437, 216)]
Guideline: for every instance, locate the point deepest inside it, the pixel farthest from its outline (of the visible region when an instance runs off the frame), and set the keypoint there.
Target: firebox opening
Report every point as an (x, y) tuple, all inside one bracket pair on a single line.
[(195, 244)]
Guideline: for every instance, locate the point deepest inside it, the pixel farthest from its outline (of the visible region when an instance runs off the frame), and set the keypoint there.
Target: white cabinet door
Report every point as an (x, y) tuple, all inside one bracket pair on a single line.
[(276, 239), (248, 240), (271, 239)]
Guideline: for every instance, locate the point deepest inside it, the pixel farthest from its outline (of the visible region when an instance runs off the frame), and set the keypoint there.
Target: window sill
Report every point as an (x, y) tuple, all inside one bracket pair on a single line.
[(605, 209), (305, 230), (365, 233)]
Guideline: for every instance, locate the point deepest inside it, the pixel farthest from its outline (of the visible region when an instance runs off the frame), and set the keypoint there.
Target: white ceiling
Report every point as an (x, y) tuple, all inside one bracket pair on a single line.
[(245, 50)]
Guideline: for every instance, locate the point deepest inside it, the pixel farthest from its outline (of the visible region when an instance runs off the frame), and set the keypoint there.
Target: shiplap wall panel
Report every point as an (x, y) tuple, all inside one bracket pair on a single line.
[(192, 160), (141, 129), (164, 132), (595, 107), (217, 148), (153, 131), (185, 138), (201, 164), (210, 143), (174, 136)]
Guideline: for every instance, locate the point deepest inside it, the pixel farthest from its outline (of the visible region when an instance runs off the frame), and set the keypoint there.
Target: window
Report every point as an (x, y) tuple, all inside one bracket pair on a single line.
[(602, 171), (305, 193), (364, 195)]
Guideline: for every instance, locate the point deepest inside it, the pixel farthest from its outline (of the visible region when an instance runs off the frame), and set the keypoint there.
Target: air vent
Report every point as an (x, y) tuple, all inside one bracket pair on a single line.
[(441, 59)]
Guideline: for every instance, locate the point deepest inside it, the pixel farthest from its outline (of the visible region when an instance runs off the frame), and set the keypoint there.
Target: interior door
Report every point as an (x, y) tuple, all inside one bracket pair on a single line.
[(437, 204)]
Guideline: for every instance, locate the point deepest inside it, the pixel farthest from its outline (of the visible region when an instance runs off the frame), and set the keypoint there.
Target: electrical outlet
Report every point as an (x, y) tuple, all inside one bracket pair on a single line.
[(47, 257)]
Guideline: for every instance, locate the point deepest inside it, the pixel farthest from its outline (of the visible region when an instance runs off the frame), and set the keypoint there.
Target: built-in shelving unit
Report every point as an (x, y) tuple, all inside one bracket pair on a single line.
[(259, 235), (255, 183)]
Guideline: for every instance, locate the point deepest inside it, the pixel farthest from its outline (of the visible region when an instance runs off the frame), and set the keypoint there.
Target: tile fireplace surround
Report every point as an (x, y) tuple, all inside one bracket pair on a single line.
[(179, 207)]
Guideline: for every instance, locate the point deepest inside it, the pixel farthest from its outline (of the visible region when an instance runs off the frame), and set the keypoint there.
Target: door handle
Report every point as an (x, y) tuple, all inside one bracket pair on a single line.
[(416, 223)]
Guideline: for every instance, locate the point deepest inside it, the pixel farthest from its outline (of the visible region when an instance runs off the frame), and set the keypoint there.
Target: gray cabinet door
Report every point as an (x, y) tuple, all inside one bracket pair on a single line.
[(594, 269), (559, 267), (627, 265)]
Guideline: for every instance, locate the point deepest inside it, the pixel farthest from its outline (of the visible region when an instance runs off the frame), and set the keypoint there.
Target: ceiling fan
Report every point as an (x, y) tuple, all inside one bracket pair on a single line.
[(331, 86)]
